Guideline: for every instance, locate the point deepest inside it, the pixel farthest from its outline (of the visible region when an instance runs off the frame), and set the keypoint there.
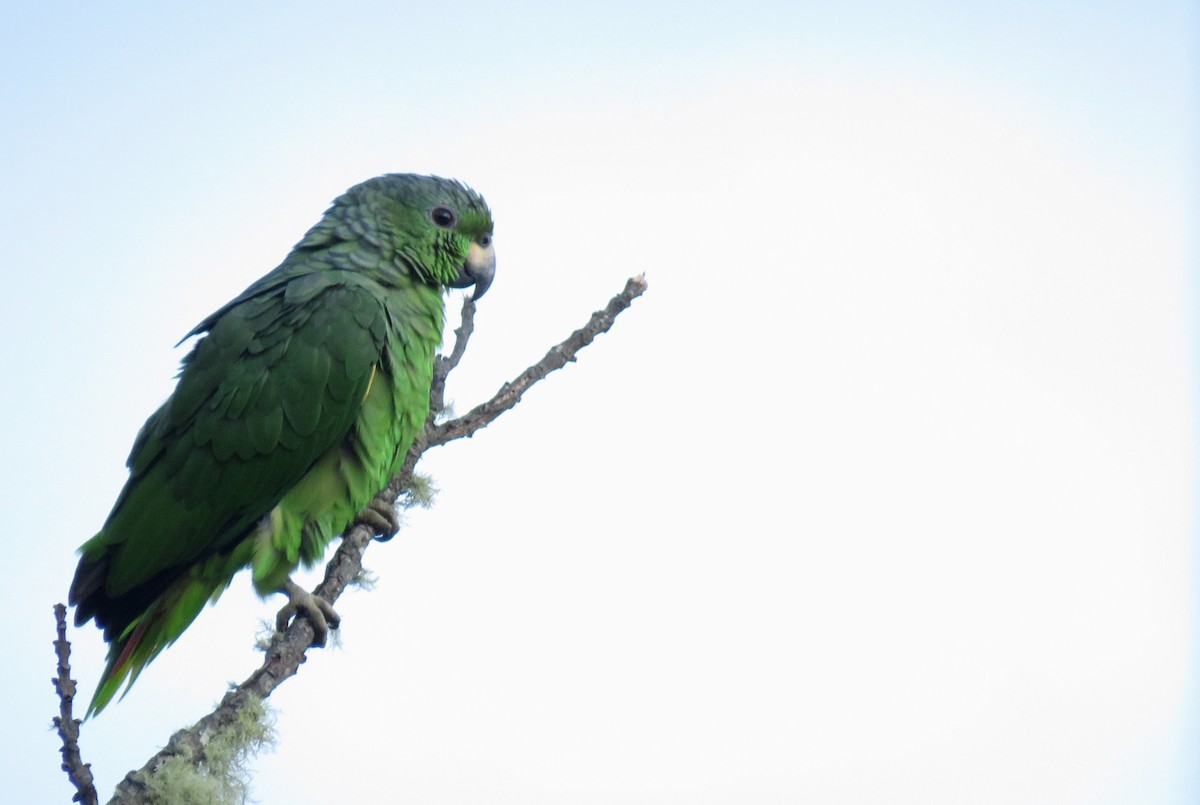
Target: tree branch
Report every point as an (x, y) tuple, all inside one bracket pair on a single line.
[(444, 364), (287, 650), (558, 357), (78, 772)]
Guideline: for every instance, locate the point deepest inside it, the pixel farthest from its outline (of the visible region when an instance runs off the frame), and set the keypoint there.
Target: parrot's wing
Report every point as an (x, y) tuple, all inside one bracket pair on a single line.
[(274, 385)]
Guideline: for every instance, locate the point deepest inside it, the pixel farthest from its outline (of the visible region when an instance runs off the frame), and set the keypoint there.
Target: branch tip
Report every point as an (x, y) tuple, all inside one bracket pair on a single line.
[(67, 726)]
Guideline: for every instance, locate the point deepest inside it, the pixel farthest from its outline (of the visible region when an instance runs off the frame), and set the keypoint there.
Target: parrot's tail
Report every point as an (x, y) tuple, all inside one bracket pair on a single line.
[(118, 667), (151, 632)]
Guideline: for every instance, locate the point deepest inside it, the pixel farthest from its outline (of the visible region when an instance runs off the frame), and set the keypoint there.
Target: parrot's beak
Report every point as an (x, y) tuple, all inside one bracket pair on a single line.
[(480, 268)]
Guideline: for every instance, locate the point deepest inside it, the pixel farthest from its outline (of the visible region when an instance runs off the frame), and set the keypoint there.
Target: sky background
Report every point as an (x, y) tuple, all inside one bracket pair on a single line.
[(883, 492)]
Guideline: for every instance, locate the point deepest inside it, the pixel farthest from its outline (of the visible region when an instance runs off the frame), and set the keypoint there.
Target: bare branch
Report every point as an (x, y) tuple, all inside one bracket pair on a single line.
[(444, 364), (287, 650), (79, 773), (558, 357)]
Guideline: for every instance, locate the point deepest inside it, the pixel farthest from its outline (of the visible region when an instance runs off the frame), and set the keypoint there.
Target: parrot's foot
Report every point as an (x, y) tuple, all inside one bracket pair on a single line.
[(319, 612), (381, 517)]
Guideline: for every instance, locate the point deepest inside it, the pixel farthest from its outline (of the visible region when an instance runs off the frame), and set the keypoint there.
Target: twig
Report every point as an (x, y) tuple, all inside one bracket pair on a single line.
[(288, 649), (558, 357), (78, 772), (446, 363)]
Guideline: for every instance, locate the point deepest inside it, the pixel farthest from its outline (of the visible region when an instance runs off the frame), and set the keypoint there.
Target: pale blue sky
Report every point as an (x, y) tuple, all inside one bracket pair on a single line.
[(883, 493)]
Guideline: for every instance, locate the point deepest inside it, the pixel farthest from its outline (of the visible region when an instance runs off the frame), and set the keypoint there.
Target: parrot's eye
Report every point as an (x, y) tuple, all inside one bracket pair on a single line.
[(443, 217)]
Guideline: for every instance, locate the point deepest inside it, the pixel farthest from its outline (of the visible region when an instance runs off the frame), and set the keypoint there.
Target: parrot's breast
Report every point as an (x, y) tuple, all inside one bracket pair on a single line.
[(326, 499)]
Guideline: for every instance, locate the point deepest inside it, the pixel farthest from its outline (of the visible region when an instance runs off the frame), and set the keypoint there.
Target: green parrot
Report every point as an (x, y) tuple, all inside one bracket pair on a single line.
[(296, 407)]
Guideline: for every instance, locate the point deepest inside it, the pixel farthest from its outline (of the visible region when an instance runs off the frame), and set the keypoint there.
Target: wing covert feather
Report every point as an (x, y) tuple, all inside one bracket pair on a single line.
[(270, 389)]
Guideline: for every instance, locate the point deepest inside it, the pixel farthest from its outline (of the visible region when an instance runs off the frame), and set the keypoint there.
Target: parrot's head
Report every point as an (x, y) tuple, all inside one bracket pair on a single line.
[(439, 229)]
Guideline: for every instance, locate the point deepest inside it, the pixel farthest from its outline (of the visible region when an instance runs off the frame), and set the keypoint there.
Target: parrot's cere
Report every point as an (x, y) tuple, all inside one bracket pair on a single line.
[(295, 407)]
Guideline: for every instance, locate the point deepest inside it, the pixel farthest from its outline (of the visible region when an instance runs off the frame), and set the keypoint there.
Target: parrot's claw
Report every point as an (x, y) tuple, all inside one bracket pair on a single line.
[(381, 517), (320, 613)]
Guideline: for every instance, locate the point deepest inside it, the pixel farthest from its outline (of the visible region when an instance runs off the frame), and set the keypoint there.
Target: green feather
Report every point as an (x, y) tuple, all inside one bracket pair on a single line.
[(296, 405)]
